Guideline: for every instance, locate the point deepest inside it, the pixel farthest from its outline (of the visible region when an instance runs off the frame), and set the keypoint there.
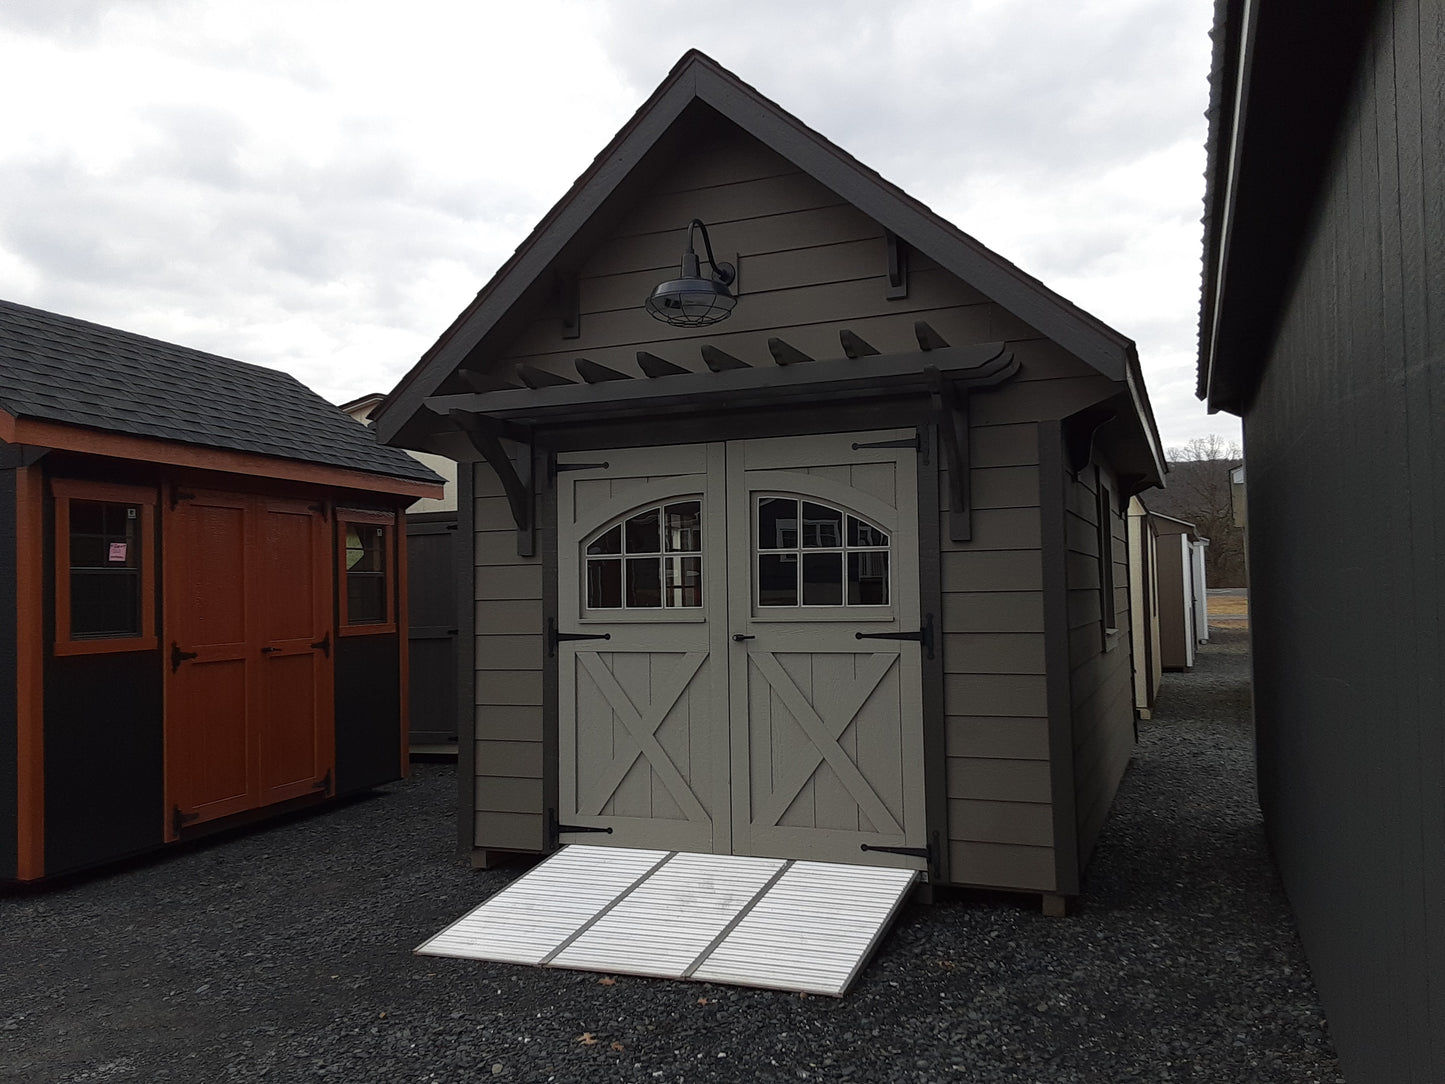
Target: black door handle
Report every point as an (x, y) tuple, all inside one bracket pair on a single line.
[(739, 637)]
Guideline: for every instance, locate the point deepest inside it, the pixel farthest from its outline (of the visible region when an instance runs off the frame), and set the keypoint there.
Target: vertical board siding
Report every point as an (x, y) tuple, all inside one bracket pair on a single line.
[(508, 730), (1347, 524), (1100, 672)]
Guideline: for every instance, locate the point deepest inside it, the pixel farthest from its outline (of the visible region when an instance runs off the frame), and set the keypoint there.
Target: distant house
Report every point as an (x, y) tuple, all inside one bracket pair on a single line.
[(842, 577), (200, 591), (1322, 328)]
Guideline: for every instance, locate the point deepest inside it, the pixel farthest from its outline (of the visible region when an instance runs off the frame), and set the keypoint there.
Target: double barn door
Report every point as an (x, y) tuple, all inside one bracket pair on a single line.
[(739, 648), (248, 601)]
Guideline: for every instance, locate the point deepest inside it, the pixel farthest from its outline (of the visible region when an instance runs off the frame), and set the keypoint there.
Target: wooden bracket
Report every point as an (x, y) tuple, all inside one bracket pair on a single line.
[(950, 413), (1080, 430), (897, 267), (516, 473)]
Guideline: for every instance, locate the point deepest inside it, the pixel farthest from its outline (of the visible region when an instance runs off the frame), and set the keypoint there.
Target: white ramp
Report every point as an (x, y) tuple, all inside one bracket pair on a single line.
[(769, 922)]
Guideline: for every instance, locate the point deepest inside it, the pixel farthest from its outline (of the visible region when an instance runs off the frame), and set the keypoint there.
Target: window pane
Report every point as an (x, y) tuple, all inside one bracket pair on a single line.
[(868, 579), (643, 534), (644, 582), (104, 603), (822, 579), (684, 581), (365, 598), (778, 579), (604, 583), (365, 548), (609, 541), (684, 527), (822, 526), (864, 534), (777, 525), (105, 560), (366, 578)]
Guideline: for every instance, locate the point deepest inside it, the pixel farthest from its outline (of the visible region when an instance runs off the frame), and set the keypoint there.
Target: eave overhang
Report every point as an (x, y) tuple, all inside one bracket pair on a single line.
[(37, 433)]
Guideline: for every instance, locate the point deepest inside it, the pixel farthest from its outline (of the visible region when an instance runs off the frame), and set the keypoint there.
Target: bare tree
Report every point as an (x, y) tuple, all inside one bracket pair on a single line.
[(1198, 491)]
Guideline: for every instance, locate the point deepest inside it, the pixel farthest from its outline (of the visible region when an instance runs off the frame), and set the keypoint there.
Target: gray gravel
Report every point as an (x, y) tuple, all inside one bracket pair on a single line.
[(284, 954)]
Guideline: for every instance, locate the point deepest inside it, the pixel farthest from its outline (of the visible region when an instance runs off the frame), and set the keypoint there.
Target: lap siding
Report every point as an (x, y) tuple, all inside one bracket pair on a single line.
[(1000, 815), (508, 748)]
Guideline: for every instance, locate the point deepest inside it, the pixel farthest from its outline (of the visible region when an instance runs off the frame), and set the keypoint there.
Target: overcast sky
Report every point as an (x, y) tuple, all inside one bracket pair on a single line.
[(321, 186)]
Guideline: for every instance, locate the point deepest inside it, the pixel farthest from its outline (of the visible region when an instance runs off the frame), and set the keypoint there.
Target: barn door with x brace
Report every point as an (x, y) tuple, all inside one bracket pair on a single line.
[(738, 646)]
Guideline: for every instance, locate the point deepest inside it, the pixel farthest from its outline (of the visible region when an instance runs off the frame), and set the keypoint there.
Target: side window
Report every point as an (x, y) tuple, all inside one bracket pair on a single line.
[(367, 598), (1108, 620), (812, 554), (104, 567), (650, 560)]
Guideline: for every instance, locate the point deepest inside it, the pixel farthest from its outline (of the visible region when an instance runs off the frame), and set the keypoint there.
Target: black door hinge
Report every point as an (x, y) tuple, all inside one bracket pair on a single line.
[(554, 637), (179, 495), (555, 828), (179, 820), (323, 645), (178, 656), (925, 853), (324, 783), (923, 636)]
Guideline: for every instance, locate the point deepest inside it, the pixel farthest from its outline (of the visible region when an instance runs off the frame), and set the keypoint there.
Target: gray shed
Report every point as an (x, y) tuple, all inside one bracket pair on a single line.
[(843, 577)]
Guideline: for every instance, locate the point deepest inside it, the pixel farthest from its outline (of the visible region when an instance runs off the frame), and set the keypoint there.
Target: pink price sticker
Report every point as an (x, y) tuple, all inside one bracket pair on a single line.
[(117, 551)]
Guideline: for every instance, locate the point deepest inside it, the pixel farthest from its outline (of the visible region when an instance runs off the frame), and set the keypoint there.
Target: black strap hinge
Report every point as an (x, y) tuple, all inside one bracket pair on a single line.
[(925, 853), (323, 645), (555, 828), (324, 783), (555, 637), (179, 820), (179, 495), (178, 656), (923, 636), (915, 442)]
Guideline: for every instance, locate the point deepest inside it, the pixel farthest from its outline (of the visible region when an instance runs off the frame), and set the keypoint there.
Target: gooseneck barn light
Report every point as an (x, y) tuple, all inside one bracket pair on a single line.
[(691, 300)]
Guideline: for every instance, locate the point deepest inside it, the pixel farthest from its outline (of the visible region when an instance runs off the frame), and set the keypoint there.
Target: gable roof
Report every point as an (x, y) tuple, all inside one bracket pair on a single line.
[(62, 370), (658, 131)]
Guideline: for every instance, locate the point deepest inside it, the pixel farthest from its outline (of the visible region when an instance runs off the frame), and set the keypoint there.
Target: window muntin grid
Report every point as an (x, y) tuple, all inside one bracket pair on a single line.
[(650, 560), (812, 554)]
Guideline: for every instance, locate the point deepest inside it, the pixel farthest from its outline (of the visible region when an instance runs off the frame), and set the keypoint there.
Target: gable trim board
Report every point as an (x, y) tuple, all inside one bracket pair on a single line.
[(1021, 727)]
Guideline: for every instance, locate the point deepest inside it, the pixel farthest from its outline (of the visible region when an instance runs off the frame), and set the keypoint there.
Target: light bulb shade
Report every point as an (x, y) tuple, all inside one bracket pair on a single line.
[(691, 302)]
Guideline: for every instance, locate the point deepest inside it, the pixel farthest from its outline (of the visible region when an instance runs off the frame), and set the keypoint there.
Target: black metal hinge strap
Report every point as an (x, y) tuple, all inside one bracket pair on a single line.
[(555, 637), (923, 636), (555, 828), (179, 820), (323, 783), (925, 853), (913, 442), (558, 468), (178, 656), (179, 495), (323, 645)]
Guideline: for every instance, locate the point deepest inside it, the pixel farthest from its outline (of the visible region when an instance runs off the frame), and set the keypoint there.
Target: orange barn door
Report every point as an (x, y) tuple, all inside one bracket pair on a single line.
[(210, 655), (295, 727), (247, 618)]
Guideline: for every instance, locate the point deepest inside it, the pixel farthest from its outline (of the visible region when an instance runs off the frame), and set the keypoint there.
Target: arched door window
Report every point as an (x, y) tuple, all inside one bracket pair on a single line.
[(650, 560), (812, 554)]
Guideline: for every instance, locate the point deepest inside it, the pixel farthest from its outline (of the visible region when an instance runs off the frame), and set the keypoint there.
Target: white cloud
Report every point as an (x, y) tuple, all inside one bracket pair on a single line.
[(323, 186)]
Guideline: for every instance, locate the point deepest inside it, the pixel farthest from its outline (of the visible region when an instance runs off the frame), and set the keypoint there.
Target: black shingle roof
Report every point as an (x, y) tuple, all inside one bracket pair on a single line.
[(59, 369)]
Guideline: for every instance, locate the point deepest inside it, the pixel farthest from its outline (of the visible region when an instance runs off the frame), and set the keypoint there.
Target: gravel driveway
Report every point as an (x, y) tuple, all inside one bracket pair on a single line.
[(284, 954)]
